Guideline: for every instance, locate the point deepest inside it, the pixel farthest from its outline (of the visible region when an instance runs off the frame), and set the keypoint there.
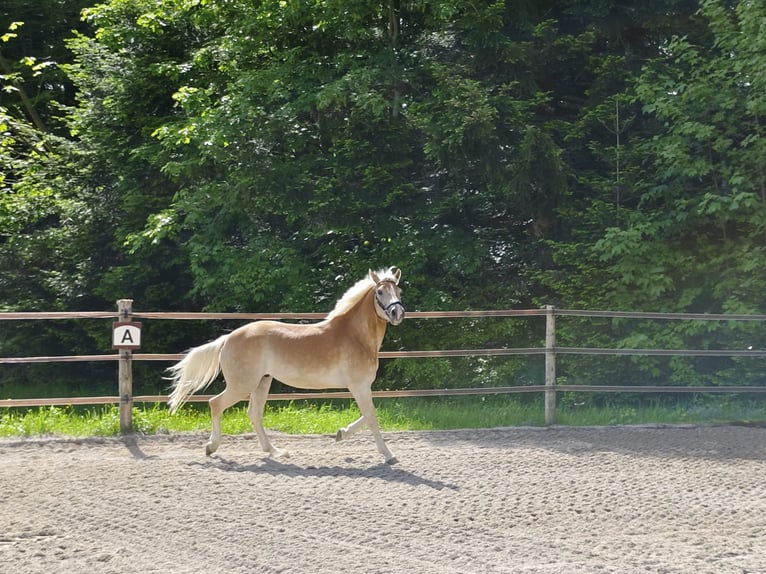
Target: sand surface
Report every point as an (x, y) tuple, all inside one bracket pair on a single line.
[(560, 500)]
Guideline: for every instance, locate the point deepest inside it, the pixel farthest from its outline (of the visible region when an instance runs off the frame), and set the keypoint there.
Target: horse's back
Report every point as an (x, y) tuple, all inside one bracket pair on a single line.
[(276, 332)]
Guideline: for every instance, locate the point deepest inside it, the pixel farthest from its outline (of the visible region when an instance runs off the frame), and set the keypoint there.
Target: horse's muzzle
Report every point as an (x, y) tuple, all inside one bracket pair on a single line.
[(395, 312)]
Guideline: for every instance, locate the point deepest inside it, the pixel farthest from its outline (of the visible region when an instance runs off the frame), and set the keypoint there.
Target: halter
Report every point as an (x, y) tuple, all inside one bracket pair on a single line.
[(388, 307)]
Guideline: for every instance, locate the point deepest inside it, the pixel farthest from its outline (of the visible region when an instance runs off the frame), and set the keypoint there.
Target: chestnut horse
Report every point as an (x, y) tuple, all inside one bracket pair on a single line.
[(339, 352)]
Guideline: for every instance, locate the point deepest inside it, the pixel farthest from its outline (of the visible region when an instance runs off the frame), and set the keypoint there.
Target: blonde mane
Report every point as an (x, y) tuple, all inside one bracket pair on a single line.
[(357, 292)]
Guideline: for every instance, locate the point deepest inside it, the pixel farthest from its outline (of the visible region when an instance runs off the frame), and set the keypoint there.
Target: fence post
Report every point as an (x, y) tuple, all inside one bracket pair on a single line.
[(550, 365), (125, 371)]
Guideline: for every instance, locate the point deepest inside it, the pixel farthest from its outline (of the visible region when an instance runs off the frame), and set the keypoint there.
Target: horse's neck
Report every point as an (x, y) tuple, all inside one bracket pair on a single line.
[(363, 324)]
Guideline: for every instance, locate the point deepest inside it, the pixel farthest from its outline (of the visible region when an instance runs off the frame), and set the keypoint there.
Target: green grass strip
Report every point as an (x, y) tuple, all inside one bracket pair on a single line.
[(304, 417)]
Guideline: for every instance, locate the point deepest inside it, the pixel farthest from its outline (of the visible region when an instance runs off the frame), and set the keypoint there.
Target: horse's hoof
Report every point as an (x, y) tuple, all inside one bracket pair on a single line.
[(279, 453), (339, 436), (392, 461), (209, 450)]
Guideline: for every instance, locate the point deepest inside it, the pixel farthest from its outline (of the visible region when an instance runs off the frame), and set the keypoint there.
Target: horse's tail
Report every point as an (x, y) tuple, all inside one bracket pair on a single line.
[(195, 372)]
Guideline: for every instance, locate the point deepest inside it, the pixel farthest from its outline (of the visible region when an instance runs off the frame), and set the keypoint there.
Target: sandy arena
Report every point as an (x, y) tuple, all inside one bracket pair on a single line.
[(562, 500)]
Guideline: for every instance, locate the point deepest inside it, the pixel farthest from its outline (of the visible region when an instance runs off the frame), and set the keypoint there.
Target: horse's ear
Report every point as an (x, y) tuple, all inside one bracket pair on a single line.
[(397, 275), (374, 277)]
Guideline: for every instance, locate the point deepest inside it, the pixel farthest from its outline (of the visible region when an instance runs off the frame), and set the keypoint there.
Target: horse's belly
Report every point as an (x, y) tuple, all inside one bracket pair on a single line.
[(319, 378), (310, 383)]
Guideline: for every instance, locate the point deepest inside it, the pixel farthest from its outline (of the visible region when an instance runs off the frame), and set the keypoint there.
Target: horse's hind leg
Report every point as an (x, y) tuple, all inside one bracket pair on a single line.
[(218, 404), (351, 429), (258, 400)]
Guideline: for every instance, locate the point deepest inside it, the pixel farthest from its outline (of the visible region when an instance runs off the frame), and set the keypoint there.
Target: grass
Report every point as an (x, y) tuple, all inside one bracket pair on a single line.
[(394, 414)]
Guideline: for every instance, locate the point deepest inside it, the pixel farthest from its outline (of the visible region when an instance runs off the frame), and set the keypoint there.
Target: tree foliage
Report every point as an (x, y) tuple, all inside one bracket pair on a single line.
[(260, 156)]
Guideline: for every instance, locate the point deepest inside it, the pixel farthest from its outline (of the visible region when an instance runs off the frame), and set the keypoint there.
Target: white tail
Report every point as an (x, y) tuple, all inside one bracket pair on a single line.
[(195, 372)]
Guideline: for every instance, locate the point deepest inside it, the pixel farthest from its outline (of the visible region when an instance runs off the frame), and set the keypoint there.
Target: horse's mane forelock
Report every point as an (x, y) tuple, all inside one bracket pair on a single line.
[(351, 297)]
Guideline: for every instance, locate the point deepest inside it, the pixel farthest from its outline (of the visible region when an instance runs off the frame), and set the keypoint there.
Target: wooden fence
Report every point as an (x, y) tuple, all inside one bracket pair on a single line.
[(550, 350)]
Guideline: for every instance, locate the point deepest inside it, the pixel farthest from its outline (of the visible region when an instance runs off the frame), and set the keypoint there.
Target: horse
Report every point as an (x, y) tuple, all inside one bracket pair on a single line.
[(340, 351)]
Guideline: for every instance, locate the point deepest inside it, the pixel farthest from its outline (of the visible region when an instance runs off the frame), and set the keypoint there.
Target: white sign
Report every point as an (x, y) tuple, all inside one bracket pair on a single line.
[(126, 335)]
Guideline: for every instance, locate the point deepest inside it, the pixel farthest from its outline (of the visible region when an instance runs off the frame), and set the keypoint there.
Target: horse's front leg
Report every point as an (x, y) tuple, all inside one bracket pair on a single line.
[(364, 401)]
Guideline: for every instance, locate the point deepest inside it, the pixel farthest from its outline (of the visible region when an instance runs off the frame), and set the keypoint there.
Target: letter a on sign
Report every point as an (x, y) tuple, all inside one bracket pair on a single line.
[(126, 335)]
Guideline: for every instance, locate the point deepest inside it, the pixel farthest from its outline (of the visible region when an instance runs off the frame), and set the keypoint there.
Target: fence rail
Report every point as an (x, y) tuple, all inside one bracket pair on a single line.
[(35, 315), (550, 350), (429, 354)]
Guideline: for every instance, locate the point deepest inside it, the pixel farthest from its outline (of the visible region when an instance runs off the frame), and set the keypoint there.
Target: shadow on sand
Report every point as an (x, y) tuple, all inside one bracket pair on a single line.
[(275, 467)]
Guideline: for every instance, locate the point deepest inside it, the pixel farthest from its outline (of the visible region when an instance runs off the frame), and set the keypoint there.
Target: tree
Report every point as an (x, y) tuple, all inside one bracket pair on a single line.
[(692, 237), (232, 155), (705, 210), (276, 159), (41, 243)]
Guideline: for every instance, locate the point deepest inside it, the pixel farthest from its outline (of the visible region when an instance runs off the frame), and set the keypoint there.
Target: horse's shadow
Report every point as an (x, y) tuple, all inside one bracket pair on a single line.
[(276, 467)]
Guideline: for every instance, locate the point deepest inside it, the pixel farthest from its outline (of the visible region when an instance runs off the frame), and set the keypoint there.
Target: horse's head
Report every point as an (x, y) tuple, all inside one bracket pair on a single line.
[(388, 295)]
